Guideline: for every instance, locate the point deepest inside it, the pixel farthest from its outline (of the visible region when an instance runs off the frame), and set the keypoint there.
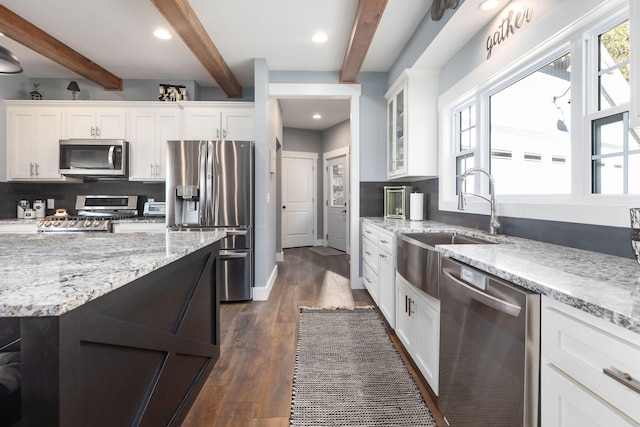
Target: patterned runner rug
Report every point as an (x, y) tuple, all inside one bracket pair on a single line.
[(348, 373)]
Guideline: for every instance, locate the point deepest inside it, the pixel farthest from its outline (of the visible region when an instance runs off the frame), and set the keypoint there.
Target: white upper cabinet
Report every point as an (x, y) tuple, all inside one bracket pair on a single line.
[(33, 135), (148, 131), (221, 121), (95, 123), (412, 125)]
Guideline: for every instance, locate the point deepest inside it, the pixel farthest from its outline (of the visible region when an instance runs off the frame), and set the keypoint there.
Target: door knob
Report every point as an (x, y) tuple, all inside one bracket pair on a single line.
[(284, 207)]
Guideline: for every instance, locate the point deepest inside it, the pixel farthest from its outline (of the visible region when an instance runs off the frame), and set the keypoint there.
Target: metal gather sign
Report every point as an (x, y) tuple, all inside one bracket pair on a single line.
[(508, 26), (439, 6)]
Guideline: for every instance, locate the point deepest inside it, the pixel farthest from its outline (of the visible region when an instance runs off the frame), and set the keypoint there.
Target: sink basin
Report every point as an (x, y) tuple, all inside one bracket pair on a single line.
[(417, 260), (447, 238)]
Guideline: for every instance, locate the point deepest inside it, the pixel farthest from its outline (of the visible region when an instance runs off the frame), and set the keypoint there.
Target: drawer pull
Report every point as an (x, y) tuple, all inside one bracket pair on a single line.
[(367, 252), (367, 231), (384, 242), (383, 256), (623, 378)]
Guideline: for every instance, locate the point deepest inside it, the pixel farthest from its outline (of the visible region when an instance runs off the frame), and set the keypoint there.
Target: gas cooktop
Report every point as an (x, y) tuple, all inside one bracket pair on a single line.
[(95, 213)]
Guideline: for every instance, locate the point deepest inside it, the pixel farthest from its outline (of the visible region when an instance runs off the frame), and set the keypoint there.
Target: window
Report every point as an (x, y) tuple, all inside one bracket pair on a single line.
[(465, 145), (615, 149), (530, 120)]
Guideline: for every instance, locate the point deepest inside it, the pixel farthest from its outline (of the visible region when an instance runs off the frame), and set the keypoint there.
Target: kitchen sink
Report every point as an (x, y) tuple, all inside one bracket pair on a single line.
[(418, 261), (433, 239)]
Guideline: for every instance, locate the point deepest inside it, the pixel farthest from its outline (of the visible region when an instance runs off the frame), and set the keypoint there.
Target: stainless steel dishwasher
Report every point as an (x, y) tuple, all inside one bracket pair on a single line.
[(489, 350)]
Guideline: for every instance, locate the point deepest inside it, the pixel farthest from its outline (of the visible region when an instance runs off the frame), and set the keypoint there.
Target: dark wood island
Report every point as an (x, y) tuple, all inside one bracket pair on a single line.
[(111, 330)]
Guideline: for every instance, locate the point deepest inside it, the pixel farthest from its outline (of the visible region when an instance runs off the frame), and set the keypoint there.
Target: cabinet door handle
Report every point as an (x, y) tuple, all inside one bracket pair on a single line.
[(97, 131), (623, 378), (224, 134), (411, 302), (93, 131), (368, 280), (383, 256), (151, 168), (37, 171), (157, 169), (217, 133), (30, 169), (406, 303)]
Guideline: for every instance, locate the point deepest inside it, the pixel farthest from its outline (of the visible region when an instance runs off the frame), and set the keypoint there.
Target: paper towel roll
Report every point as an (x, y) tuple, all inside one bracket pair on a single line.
[(416, 206)]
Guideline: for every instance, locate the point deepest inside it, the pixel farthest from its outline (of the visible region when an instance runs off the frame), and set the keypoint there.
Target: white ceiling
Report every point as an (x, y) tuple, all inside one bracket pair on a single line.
[(117, 35)]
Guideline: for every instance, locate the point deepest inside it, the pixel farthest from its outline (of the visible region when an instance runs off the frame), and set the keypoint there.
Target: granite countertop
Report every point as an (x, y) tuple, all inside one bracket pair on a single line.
[(605, 286), (49, 274)]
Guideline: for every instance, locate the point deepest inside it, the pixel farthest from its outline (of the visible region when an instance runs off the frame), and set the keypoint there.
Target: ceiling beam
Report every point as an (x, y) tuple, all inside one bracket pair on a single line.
[(16, 28), (185, 22), (365, 24)]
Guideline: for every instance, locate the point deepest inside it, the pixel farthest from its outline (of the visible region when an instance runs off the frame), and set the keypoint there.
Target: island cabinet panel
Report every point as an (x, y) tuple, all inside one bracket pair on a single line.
[(135, 356)]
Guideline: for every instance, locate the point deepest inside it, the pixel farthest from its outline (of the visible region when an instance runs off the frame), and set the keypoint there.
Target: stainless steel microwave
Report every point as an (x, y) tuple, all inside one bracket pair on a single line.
[(108, 158)]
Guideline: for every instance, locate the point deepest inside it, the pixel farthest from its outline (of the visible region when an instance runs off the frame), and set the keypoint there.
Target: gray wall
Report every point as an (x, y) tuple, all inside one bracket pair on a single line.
[(337, 136)]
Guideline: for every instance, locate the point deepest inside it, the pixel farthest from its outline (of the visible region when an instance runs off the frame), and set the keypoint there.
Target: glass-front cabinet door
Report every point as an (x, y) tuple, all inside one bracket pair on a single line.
[(396, 138), (400, 133)]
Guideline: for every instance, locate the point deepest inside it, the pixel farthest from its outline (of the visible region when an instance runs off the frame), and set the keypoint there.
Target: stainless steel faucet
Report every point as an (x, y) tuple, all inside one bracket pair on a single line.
[(494, 225)]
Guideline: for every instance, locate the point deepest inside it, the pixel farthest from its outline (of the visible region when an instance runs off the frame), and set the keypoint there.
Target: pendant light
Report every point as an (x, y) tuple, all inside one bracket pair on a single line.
[(9, 63)]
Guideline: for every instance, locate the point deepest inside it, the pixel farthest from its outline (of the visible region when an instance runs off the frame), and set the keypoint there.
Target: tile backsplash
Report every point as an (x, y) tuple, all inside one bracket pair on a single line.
[(65, 194), (603, 239)]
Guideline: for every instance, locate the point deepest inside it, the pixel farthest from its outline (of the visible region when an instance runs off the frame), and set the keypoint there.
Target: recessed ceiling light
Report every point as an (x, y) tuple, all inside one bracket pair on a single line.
[(319, 37), (317, 116), (162, 34), (488, 5)]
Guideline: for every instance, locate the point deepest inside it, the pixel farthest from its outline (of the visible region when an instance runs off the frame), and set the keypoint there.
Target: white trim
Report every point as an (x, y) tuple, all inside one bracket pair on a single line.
[(280, 256), (337, 91), (261, 293), (299, 155), (344, 151)]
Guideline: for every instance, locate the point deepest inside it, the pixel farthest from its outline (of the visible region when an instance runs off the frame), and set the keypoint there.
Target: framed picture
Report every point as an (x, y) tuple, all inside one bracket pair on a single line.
[(172, 93)]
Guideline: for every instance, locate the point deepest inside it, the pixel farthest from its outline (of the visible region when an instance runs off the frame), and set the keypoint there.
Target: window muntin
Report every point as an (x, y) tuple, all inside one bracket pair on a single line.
[(615, 156), (530, 119), (466, 133), (613, 67)]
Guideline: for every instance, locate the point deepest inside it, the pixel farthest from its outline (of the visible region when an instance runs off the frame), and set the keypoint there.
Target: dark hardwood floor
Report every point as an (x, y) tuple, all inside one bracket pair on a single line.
[(250, 386)]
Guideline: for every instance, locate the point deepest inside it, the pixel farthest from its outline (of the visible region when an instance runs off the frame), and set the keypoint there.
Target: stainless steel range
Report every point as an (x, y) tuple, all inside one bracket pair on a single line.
[(94, 213)]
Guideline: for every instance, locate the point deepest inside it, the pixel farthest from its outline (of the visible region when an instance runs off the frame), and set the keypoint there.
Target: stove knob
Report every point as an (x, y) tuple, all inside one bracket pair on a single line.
[(56, 224), (96, 223), (72, 223), (87, 223), (40, 223), (47, 223)]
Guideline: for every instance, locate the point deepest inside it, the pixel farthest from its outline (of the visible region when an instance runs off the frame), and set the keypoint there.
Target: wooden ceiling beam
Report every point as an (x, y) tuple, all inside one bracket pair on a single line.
[(184, 21), (365, 24), (16, 28)]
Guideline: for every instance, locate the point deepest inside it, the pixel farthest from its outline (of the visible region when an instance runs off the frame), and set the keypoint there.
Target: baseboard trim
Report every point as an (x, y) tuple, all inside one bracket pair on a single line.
[(280, 256), (261, 293)]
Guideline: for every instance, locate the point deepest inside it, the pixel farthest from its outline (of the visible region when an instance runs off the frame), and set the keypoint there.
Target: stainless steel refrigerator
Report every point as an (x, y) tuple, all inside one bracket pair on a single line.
[(209, 185)]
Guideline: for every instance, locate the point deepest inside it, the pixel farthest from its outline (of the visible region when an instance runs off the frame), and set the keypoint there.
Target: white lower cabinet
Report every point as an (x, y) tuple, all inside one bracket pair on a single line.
[(378, 269), (26, 227), (580, 353), (418, 328)]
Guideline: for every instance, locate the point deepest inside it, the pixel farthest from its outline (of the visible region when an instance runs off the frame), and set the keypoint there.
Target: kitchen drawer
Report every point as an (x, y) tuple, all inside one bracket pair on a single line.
[(582, 346), (370, 281), (370, 232), (567, 404), (385, 241), (370, 254)]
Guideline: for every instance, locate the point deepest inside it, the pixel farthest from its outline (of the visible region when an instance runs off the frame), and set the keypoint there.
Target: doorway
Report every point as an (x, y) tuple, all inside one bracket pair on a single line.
[(336, 206), (298, 199)]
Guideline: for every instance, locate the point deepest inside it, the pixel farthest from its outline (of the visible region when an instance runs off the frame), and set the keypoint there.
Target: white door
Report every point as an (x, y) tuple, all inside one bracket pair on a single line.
[(338, 181), (298, 202)]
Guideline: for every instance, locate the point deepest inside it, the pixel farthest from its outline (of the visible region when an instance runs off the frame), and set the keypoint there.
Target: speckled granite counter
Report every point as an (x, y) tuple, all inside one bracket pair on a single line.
[(603, 285), (51, 274)]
